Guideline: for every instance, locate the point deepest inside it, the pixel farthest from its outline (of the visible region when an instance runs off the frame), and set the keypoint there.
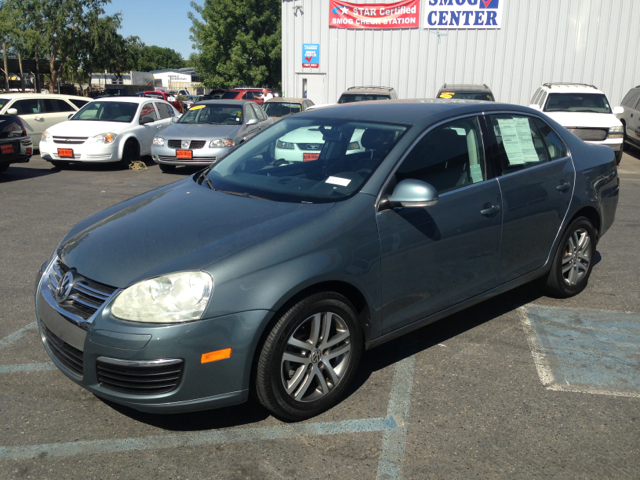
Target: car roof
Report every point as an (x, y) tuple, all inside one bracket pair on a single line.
[(41, 95), (421, 111), (571, 88), (369, 90), (224, 102), (286, 100), (132, 99), (458, 87)]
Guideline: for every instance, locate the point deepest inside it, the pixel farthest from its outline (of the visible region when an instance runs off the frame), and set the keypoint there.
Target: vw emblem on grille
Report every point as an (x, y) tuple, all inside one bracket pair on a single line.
[(315, 357), (64, 287), (185, 144)]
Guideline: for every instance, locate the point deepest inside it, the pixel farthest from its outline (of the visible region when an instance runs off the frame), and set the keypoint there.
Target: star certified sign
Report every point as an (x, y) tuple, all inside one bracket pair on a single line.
[(310, 55)]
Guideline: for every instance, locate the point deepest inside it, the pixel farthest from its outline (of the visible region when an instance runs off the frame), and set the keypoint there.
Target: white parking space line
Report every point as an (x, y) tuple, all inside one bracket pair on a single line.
[(27, 367), (17, 335), (214, 437), (394, 441)]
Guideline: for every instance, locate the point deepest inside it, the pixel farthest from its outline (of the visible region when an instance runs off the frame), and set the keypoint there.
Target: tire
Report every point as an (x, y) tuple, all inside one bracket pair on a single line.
[(303, 371), (130, 152), (575, 257), (619, 156), (167, 168), (59, 164)]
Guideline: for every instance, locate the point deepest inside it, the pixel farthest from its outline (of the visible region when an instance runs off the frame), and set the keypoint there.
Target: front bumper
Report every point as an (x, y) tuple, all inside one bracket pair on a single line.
[(614, 143), (201, 156), (84, 152), (201, 386)]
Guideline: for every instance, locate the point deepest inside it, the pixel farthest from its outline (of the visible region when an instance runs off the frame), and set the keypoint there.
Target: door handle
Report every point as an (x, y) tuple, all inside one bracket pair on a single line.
[(563, 187), (487, 212), (38, 117)]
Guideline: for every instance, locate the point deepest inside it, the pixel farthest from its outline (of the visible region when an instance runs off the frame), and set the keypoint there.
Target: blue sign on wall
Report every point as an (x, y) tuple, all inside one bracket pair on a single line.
[(310, 55)]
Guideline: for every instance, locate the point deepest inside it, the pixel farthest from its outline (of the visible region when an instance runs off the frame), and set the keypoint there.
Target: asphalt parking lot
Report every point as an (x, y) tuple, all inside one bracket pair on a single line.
[(521, 386)]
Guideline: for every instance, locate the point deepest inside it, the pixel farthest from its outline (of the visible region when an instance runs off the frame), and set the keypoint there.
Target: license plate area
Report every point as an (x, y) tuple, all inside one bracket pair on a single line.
[(65, 152), (7, 148), (188, 154), (310, 157)]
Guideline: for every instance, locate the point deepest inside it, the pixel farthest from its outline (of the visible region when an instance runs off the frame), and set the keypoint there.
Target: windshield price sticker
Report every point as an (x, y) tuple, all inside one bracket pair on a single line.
[(374, 16), (197, 107), (343, 182), (517, 141)]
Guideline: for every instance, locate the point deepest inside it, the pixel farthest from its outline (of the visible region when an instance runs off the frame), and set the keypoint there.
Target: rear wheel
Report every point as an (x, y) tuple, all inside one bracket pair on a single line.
[(310, 357), (619, 156), (573, 261), (167, 168)]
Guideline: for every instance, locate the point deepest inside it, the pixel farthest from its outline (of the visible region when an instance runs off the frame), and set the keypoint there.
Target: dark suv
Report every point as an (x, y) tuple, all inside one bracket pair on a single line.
[(466, 91), (366, 94), (15, 144), (630, 118)]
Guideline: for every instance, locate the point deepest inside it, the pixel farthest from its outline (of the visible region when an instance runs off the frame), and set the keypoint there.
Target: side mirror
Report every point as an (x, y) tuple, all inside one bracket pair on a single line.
[(12, 111), (253, 121), (175, 119), (618, 110), (145, 120), (413, 193)]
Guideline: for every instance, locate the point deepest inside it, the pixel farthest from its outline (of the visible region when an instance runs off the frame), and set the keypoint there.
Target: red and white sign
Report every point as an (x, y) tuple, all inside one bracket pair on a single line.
[(375, 16)]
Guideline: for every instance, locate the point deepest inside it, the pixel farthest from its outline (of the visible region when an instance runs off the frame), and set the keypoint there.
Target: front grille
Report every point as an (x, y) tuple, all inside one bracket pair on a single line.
[(70, 140), (590, 134), (310, 146), (139, 377), (175, 144), (195, 144), (168, 158), (86, 296), (67, 355)]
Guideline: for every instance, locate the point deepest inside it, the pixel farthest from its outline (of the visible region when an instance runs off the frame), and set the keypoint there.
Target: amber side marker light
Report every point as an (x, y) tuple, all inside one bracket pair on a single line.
[(215, 356)]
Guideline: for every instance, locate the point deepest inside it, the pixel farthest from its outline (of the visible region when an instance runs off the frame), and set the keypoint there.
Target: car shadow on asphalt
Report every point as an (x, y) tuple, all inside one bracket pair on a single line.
[(632, 152), (16, 172)]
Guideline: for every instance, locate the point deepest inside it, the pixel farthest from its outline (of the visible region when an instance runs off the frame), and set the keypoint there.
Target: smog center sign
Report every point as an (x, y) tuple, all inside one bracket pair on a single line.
[(374, 16), (463, 14)]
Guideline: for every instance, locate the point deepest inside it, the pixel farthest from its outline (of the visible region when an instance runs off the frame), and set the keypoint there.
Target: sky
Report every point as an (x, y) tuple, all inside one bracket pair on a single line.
[(157, 22)]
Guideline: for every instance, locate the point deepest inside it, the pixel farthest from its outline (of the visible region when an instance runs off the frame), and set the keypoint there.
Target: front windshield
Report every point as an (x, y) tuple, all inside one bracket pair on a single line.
[(281, 109), (487, 97), (577, 102), (219, 114), (3, 102), (358, 97), (306, 160), (98, 111)]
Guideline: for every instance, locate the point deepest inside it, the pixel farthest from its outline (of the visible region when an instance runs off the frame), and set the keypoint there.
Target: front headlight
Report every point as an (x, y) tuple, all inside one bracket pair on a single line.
[(104, 138), (173, 298), (158, 141), (223, 142), (46, 136), (615, 132), (284, 145)]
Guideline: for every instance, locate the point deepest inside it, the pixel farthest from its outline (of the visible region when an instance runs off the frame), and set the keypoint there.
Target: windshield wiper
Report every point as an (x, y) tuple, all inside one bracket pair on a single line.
[(238, 194), (204, 178)]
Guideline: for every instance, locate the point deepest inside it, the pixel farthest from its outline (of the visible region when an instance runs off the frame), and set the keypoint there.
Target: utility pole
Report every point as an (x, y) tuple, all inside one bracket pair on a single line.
[(6, 68)]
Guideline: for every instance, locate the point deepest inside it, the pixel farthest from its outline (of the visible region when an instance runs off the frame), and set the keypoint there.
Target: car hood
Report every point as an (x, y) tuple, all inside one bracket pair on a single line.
[(200, 131), (87, 128), (585, 119), (184, 226)]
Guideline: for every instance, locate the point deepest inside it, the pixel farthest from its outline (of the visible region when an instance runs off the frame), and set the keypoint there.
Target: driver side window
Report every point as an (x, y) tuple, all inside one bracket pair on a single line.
[(148, 113), (449, 157), (249, 113)]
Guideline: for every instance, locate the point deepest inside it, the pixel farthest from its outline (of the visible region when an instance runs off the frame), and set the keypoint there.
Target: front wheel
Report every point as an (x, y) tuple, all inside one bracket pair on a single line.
[(59, 164), (130, 153), (619, 156), (573, 261), (167, 168), (310, 357)]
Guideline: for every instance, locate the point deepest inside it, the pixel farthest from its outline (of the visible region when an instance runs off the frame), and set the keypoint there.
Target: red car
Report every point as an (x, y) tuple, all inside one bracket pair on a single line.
[(165, 96), (253, 94)]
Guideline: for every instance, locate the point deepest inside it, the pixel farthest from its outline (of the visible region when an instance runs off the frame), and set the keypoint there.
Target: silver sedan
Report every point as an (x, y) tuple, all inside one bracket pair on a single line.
[(207, 132)]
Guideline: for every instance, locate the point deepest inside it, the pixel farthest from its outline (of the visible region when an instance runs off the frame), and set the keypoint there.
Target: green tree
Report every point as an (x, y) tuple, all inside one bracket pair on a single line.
[(157, 58), (238, 43)]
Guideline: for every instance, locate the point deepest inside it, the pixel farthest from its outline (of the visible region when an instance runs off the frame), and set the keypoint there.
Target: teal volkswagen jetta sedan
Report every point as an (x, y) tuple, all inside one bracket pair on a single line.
[(259, 274)]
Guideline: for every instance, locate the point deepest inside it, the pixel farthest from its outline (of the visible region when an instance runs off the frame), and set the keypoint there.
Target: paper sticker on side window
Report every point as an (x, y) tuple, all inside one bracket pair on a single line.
[(517, 140)]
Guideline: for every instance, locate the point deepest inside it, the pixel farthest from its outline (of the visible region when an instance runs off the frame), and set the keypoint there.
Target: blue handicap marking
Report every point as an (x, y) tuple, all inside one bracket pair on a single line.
[(589, 348)]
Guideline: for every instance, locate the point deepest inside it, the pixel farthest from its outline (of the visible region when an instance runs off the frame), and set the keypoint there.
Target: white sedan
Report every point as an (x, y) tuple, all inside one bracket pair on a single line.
[(107, 130)]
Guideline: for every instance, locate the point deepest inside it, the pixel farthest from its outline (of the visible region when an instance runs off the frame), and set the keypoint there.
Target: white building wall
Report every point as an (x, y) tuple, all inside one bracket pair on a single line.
[(583, 41)]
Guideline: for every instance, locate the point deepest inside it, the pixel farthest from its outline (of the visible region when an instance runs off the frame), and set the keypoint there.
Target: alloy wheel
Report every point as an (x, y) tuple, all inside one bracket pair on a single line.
[(577, 257)]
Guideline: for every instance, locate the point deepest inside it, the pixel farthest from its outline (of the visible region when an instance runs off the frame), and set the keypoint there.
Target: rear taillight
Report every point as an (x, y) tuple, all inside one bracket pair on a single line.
[(24, 130)]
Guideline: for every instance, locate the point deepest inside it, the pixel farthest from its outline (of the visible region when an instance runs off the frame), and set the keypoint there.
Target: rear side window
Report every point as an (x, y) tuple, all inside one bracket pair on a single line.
[(535, 96), (166, 110), (27, 107), (249, 96), (53, 105), (555, 146), (249, 112), (631, 98), (79, 103), (229, 95), (260, 112), (520, 144)]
